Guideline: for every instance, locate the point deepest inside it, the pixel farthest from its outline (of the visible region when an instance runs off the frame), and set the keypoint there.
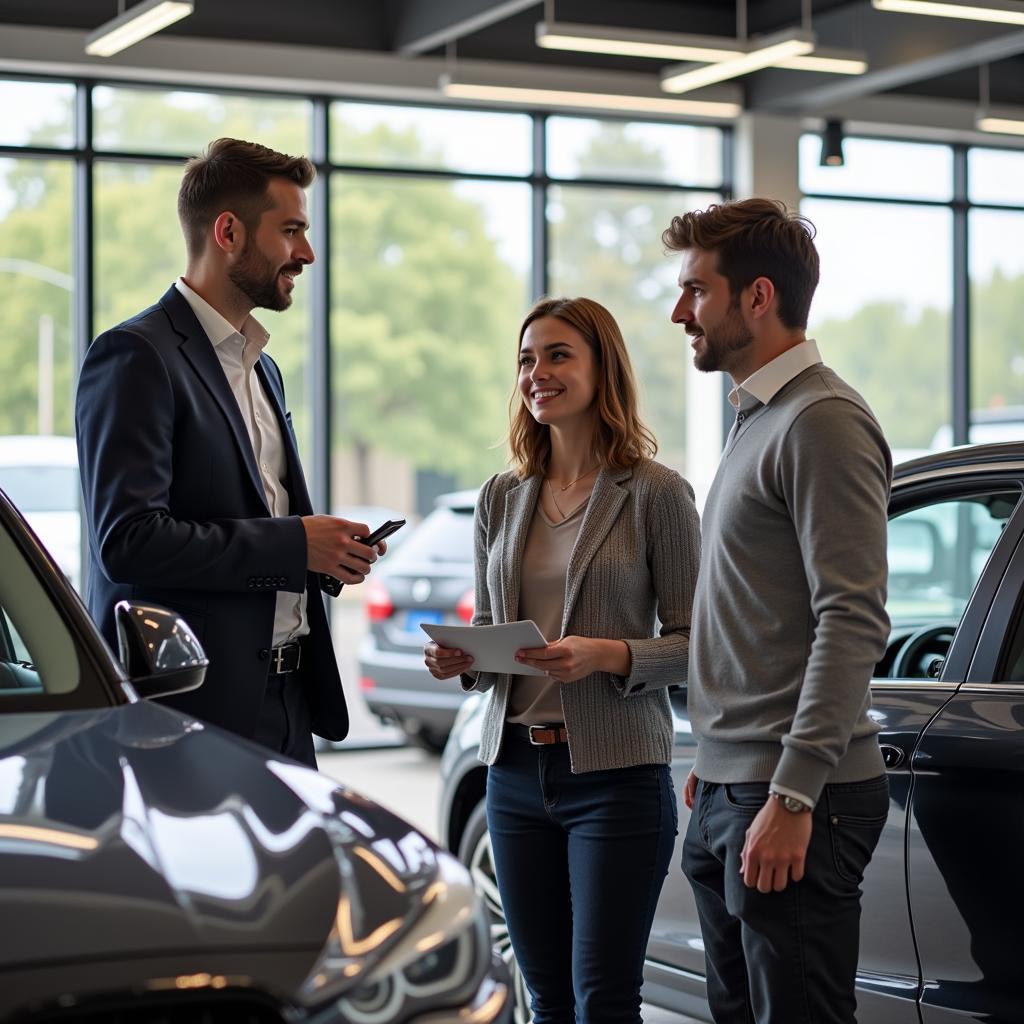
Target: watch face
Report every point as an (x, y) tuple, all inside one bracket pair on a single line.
[(791, 803)]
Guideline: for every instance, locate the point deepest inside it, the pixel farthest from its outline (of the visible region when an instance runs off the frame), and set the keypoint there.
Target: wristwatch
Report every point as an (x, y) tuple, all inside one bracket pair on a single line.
[(791, 803)]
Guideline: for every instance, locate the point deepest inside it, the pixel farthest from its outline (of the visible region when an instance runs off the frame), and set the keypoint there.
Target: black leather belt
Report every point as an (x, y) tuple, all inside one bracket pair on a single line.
[(539, 735), (285, 658)]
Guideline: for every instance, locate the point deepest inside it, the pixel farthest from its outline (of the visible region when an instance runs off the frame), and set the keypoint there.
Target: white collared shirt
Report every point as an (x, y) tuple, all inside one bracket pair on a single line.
[(238, 353), (764, 384)]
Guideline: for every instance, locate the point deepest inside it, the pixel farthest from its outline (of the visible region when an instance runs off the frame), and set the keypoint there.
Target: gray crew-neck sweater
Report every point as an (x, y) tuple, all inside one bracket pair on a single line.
[(789, 614)]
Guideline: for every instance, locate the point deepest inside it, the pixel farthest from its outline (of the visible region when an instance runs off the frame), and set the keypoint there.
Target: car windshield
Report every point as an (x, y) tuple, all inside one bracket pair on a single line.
[(446, 535), (41, 488)]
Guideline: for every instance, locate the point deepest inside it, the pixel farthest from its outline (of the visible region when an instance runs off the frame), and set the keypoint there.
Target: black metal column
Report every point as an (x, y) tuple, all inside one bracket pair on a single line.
[(538, 209), (319, 365), (83, 224), (961, 313), (82, 325)]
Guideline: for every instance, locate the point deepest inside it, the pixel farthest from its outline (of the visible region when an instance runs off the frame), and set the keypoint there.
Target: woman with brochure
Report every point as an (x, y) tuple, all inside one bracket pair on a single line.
[(595, 542)]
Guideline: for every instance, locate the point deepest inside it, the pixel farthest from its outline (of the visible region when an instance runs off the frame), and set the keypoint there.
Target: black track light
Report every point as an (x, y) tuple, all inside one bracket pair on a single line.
[(832, 144)]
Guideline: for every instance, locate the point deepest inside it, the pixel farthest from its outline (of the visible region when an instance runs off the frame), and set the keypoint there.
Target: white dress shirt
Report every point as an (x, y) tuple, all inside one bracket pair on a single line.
[(764, 384), (238, 353)]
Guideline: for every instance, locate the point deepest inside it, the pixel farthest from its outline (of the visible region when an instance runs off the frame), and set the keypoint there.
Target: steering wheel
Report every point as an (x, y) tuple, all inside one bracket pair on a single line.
[(931, 640)]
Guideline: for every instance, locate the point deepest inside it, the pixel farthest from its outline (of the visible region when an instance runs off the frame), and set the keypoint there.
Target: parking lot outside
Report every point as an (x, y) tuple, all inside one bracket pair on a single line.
[(374, 761)]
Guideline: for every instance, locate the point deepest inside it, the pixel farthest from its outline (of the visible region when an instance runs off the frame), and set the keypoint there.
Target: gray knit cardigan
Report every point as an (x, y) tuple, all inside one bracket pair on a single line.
[(635, 562)]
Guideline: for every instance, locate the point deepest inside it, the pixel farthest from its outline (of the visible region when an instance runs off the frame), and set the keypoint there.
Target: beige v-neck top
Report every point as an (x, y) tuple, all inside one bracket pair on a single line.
[(537, 700)]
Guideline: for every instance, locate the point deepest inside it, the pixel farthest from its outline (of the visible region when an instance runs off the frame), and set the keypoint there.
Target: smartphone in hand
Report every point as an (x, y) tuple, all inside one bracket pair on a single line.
[(331, 585)]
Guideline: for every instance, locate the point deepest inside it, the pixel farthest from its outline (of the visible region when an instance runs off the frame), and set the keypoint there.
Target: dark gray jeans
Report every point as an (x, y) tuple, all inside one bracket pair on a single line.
[(785, 957)]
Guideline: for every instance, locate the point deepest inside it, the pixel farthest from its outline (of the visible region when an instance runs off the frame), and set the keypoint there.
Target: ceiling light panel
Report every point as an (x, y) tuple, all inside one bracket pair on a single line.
[(1005, 12), (135, 24), (764, 53), (626, 42), (1001, 121), (458, 87)]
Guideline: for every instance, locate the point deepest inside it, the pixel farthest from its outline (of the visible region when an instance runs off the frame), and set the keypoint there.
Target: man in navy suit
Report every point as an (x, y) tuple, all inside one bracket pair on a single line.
[(194, 495)]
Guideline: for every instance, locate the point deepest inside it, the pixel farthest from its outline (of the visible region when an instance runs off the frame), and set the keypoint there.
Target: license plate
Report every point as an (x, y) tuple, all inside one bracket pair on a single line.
[(414, 617)]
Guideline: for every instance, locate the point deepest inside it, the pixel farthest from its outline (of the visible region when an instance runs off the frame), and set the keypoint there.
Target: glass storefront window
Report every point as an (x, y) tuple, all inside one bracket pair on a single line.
[(148, 120), (996, 176), (38, 461), (996, 265), (36, 113), (606, 244), (432, 138), (879, 167), (428, 287), (634, 151), (881, 314)]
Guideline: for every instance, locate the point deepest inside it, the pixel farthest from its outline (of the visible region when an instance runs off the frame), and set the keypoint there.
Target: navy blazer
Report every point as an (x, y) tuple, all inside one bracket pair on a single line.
[(177, 514)]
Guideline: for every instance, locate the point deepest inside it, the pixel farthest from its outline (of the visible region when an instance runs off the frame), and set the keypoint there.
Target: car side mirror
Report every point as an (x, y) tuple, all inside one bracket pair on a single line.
[(158, 650)]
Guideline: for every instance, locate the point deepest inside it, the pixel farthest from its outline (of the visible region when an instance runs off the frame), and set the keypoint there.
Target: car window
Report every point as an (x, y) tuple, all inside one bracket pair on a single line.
[(37, 650), (446, 535), (936, 555)]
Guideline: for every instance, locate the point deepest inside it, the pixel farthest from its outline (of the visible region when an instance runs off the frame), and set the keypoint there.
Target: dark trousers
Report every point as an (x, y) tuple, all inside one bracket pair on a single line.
[(580, 861), (284, 722), (785, 957)]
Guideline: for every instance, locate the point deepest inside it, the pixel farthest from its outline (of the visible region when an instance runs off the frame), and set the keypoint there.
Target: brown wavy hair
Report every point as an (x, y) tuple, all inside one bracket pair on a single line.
[(622, 438), (755, 238)]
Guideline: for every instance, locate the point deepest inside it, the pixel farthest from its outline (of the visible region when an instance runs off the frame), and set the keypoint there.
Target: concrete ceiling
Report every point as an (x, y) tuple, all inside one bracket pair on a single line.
[(910, 56)]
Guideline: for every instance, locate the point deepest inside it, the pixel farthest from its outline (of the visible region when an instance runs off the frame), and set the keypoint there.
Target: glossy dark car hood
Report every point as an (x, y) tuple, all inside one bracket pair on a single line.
[(135, 831)]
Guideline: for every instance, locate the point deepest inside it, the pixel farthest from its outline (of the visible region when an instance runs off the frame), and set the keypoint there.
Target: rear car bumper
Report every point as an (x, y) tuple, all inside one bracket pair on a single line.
[(398, 687)]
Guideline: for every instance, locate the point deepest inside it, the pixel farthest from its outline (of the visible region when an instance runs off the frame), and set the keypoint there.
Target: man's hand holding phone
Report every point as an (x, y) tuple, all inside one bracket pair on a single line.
[(342, 551)]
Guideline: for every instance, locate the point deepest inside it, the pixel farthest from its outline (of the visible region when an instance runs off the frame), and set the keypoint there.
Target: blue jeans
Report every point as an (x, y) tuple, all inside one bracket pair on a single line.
[(785, 957), (580, 861)]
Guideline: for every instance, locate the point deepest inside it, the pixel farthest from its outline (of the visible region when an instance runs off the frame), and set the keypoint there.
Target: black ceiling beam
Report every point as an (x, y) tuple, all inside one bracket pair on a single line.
[(901, 49), (424, 25)]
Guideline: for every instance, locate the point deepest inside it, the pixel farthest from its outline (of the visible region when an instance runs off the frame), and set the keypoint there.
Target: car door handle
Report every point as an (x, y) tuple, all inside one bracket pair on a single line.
[(892, 756)]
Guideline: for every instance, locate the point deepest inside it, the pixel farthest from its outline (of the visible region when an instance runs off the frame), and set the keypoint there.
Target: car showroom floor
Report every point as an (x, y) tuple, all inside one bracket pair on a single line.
[(405, 779)]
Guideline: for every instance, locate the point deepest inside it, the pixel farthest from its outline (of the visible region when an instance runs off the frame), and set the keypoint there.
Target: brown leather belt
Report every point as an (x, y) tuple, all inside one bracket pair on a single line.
[(539, 735)]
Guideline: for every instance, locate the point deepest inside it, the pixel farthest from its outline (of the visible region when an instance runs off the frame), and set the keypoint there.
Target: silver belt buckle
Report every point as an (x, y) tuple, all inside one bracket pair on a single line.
[(278, 653), (537, 743), (279, 656)]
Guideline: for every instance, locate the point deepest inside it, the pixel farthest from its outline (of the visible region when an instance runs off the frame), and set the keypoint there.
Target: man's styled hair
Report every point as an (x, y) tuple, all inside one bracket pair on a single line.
[(622, 438), (233, 175), (755, 238)]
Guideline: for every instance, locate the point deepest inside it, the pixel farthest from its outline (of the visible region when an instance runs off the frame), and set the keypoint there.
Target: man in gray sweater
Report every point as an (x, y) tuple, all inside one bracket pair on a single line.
[(788, 794)]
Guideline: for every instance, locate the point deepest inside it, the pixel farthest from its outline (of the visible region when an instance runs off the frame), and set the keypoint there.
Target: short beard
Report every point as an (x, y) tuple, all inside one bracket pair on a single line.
[(731, 335), (257, 279)]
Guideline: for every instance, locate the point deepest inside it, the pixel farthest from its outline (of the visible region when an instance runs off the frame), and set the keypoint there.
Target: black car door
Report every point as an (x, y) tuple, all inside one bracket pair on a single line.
[(941, 535), (943, 532), (966, 832)]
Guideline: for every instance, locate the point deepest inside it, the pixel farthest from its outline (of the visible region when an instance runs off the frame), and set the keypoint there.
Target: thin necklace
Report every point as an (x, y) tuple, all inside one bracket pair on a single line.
[(571, 482), (554, 500)]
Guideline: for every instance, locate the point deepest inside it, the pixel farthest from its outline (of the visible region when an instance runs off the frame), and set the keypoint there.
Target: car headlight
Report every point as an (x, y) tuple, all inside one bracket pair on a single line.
[(432, 956), (445, 977)]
